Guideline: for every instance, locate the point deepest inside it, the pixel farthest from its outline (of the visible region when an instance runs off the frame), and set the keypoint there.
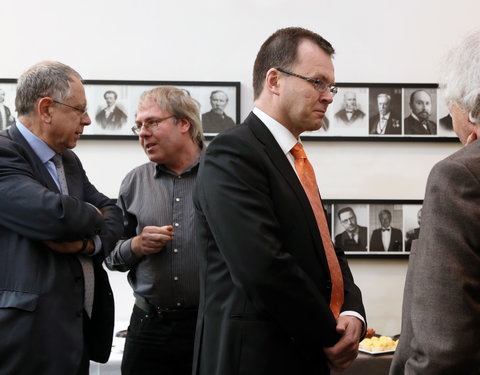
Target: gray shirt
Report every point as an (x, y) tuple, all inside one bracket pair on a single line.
[(153, 195)]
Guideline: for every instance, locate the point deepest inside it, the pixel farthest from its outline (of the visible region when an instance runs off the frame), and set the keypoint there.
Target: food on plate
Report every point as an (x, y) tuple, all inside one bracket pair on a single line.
[(370, 333), (378, 344)]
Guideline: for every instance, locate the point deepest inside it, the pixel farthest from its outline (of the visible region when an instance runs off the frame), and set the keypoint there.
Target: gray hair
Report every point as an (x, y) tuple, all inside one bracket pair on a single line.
[(180, 104), (47, 78), (383, 94), (461, 76)]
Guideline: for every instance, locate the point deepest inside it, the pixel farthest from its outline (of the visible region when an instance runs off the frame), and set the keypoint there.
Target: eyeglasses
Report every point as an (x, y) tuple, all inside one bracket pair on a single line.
[(82, 111), (150, 125), (318, 84)]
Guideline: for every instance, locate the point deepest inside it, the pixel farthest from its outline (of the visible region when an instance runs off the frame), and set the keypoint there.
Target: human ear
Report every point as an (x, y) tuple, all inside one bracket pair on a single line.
[(43, 109), (272, 82)]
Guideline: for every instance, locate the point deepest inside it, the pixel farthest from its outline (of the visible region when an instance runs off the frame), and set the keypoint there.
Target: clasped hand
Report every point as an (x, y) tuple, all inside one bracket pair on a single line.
[(151, 240), (343, 353)]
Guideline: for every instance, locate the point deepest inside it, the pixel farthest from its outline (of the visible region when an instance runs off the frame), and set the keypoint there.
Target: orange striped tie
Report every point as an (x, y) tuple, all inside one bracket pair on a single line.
[(307, 177)]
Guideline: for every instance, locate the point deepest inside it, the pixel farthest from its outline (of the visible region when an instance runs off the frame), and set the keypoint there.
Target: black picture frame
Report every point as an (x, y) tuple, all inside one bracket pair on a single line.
[(126, 95), (404, 226), (363, 122)]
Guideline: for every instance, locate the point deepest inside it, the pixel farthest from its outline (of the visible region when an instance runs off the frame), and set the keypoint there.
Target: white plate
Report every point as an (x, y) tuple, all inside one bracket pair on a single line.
[(376, 353)]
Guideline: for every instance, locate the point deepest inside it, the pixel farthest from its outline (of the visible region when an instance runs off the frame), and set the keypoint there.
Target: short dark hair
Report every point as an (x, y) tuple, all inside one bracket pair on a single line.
[(110, 92), (280, 51), (345, 209), (386, 212), (417, 91)]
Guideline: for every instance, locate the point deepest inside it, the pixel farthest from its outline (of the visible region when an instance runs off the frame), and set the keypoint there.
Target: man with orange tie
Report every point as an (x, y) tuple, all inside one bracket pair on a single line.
[(275, 296)]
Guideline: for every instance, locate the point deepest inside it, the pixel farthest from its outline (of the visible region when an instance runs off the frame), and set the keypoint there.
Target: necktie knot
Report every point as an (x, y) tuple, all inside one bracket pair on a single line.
[(298, 152), (57, 160)]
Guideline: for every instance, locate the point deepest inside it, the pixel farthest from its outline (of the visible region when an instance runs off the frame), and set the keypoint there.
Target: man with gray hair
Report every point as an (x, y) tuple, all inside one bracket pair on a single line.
[(350, 113), (441, 306), (56, 304), (158, 248), (385, 121), (216, 119)]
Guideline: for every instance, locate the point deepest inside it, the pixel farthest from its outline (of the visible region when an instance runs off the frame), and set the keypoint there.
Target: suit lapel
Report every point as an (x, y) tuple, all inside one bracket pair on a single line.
[(38, 168), (74, 178), (281, 162)]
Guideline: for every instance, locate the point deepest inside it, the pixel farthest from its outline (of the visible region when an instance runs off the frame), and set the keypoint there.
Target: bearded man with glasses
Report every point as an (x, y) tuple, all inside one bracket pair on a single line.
[(159, 249)]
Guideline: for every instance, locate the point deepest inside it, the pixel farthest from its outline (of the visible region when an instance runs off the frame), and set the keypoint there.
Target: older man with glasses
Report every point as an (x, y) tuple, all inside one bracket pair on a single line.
[(56, 304), (159, 249)]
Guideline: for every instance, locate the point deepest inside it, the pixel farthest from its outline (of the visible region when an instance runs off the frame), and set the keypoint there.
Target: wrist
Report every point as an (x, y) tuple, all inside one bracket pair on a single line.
[(87, 246)]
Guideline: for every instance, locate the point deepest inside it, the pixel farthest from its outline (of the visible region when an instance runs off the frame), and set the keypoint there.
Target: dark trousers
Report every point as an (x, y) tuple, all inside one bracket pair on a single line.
[(157, 345)]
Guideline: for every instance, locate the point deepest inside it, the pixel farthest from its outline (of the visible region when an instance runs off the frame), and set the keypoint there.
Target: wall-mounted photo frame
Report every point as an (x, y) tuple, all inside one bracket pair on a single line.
[(374, 228), (112, 104), (386, 112)]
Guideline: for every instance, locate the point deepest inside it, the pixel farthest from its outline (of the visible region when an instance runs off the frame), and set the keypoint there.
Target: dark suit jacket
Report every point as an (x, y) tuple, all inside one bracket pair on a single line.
[(264, 279), (116, 119), (344, 241), (394, 125), (441, 306), (342, 116), (413, 126), (396, 240), (42, 323)]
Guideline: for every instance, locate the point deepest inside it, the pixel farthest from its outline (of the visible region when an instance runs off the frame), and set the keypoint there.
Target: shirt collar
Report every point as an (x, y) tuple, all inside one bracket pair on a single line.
[(285, 139), (162, 169), (43, 151)]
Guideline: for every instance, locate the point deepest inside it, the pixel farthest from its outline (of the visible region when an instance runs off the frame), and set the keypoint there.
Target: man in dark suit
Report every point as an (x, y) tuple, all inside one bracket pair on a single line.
[(354, 237), (265, 283), (56, 305), (386, 238), (216, 120), (441, 305), (6, 118), (111, 117), (386, 121), (419, 120), (350, 113)]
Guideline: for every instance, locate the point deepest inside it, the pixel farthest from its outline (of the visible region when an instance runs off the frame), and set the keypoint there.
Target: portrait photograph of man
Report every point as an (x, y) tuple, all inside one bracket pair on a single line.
[(350, 111), (445, 125), (7, 105), (351, 233), (412, 219), (420, 107), (385, 111), (216, 119), (386, 222)]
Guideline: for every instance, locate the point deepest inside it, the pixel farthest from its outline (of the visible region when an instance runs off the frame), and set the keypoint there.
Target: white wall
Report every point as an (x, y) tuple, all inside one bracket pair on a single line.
[(213, 40)]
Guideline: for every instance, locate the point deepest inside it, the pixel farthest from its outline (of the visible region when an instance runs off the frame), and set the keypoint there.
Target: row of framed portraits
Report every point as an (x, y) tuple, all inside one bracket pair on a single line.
[(112, 105), (360, 111), (378, 228)]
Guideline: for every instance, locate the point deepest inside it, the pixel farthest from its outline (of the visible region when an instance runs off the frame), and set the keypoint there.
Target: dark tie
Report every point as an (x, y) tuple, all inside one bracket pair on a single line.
[(385, 229), (86, 262), (307, 178)]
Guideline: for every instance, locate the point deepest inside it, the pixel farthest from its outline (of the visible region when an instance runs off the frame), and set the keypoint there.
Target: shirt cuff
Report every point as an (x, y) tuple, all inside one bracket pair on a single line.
[(97, 243), (126, 253)]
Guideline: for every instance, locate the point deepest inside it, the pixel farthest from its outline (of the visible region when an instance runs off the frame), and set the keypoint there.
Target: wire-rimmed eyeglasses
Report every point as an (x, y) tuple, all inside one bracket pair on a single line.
[(318, 84), (82, 111), (150, 125)]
